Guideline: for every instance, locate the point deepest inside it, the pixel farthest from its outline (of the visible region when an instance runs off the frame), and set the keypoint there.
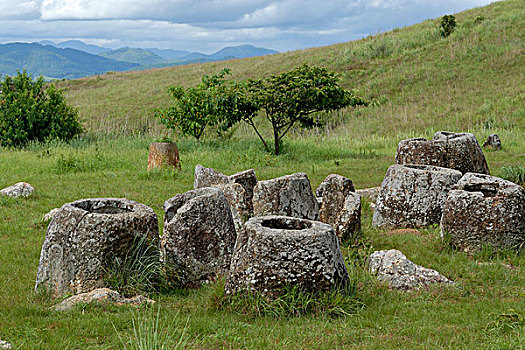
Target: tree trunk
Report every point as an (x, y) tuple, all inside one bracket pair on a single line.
[(163, 155), (276, 140)]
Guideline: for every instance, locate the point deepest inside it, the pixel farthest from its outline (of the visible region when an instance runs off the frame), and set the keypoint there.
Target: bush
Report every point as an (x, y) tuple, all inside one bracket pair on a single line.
[(447, 25), (30, 111), (514, 173)]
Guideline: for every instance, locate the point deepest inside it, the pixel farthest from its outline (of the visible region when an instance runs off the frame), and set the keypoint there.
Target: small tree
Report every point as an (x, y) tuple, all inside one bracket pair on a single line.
[(31, 112), (447, 25), (195, 108), (295, 96)]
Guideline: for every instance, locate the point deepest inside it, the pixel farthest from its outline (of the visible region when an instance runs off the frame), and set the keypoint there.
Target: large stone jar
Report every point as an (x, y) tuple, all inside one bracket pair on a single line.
[(460, 151), (83, 239), (278, 252), (199, 236), (413, 195), (289, 195), (485, 210)]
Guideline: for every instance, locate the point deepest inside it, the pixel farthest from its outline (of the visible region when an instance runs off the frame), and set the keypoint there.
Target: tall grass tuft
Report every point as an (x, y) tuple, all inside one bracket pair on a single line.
[(293, 302), (140, 271), (151, 333)]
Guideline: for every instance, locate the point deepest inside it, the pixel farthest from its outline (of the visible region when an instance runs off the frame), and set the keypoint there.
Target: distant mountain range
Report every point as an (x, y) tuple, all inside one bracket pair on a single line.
[(74, 58)]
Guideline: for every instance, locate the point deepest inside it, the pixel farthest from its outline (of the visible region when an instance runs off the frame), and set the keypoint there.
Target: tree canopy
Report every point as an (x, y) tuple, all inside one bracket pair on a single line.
[(32, 111), (285, 99)]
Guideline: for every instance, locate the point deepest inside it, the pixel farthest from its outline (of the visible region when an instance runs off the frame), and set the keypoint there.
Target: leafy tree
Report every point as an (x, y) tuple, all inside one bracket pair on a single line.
[(286, 99), (32, 111), (295, 96), (196, 108), (447, 25)]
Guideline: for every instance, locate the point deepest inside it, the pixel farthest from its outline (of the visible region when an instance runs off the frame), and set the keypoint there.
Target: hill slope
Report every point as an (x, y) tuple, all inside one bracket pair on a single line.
[(138, 56), (53, 62), (421, 82)]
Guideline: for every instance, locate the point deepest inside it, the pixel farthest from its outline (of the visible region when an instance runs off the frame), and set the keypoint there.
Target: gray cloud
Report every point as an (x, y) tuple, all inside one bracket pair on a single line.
[(208, 25)]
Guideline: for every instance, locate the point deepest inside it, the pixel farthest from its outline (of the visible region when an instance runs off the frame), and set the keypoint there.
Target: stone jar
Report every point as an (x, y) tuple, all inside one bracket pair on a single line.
[(485, 210), (413, 195), (199, 236), (459, 151), (83, 239), (278, 252)]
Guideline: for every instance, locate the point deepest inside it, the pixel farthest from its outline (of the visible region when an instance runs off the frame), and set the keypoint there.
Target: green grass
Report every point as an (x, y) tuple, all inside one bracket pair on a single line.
[(472, 81), (449, 317)]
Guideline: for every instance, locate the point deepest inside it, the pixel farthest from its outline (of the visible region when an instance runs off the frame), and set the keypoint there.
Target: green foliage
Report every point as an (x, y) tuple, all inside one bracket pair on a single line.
[(514, 173), (295, 96), (447, 25), (293, 302), (152, 333), (140, 271), (195, 108), (506, 322), (30, 112)]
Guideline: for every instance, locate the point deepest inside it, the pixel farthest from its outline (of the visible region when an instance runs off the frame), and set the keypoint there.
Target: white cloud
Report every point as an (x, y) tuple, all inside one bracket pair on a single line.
[(208, 25)]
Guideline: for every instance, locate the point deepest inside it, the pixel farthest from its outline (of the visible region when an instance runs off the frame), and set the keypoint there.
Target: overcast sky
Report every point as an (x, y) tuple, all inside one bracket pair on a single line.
[(209, 25)]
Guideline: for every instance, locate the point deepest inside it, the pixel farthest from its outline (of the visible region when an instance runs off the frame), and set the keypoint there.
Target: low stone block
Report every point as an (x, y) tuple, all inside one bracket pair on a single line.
[(393, 267)]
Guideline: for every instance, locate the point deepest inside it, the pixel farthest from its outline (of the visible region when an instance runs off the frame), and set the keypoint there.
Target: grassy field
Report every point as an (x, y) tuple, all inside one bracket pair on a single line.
[(472, 81)]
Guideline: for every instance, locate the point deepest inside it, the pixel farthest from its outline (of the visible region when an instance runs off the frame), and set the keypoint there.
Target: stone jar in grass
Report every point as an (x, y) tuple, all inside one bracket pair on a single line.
[(86, 237)]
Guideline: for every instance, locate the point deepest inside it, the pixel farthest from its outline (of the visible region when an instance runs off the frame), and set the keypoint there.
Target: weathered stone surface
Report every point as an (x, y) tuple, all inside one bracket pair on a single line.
[(340, 205), (208, 177), (85, 236), (20, 189), (492, 142), (336, 183), (163, 155), (289, 195), (458, 151), (101, 295), (5, 345), (369, 193), (237, 199), (483, 209), (199, 236), (393, 267), (48, 216), (275, 252), (413, 195)]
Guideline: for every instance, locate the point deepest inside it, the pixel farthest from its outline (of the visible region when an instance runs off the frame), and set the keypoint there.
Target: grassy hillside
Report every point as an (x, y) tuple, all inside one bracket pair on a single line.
[(471, 81)]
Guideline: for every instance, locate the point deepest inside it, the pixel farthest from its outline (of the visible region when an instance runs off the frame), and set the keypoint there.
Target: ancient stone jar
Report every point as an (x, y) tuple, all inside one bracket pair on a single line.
[(340, 205), (208, 177), (413, 195), (279, 252), (163, 155), (459, 151), (199, 236), (289, 195), (86, 236), (484, 210)]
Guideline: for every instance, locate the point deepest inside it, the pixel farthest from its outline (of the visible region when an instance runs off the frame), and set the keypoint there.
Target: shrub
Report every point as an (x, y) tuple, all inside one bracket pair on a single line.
[(514, 173), (447, 25), (30, 111)]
